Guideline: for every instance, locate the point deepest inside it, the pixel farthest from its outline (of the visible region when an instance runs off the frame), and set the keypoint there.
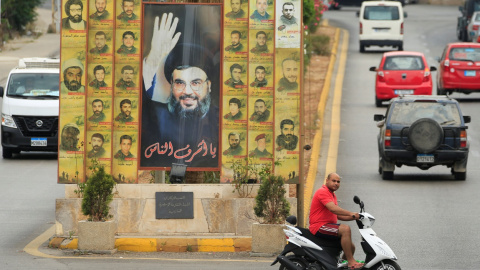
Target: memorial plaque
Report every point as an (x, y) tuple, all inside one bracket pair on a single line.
[(174, 205)]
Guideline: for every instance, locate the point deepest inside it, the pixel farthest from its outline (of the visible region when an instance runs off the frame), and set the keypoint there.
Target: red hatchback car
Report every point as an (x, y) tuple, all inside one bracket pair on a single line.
[(459, 69), (402, 73)]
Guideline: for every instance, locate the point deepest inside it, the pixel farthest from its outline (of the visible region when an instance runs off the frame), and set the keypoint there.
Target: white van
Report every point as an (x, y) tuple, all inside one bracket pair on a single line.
[(381, 24), (30, 107)]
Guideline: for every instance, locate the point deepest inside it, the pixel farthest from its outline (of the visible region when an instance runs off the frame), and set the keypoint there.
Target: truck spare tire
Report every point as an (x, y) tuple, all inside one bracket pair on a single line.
[(425, 135)]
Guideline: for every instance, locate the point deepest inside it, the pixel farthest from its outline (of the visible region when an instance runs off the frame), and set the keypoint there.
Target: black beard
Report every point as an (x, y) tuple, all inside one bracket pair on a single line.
[(202, 107), (75, 20), (234, 146), (73, 87)]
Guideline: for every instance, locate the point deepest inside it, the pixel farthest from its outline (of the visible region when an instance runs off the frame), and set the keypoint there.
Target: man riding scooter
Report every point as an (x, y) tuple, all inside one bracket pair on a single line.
[(324, 215)]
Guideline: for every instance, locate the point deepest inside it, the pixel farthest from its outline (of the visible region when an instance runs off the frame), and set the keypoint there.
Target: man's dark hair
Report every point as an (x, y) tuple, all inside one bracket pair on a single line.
[(186, 55), (128, 101), (97, 68), (128, 33), (98, 135), (286, 122), (101, 33), (125, 137), (72, 2), (260, 67), (236, 101), (123, 1), (287, 4), (236, 32), (260, 100), (97, 100), (260, 33), (288, 59), (233, 134), (127, 67), (234, 66)]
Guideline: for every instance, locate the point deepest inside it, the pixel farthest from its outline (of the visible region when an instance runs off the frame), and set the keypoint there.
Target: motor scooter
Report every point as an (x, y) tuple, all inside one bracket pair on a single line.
[(306, 251)]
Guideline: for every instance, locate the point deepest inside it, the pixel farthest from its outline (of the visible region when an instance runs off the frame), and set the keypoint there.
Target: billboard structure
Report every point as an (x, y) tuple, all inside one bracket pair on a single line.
[(146, 85)]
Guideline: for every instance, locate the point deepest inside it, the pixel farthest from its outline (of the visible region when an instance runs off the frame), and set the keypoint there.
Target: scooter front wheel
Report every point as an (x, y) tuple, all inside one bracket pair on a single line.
[(298, 261), (387, 265)]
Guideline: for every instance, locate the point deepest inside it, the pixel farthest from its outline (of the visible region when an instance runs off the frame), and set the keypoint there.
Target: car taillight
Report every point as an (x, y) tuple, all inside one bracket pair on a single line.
[(446, 63), (426, 75), (478, 39), (361, 28), (475, 27), (388, 137), (401, 29), (463, 138), (381, 76)]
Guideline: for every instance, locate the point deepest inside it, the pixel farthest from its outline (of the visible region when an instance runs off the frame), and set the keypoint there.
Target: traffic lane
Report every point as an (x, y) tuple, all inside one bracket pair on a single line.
[(27, 203), (419, 212)]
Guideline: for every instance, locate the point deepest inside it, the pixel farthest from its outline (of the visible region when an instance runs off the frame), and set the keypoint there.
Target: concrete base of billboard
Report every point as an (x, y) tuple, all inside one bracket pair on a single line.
[(217, 212)]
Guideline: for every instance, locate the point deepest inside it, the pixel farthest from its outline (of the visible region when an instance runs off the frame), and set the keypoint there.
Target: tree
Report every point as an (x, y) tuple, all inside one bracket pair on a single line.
[(18, 14)]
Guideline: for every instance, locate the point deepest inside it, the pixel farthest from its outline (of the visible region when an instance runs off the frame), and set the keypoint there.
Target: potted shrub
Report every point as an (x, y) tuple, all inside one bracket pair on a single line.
[(97, 233), (271, 208)]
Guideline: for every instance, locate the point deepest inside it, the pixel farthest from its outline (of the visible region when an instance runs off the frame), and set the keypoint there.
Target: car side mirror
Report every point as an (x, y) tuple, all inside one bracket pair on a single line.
[(1, 91), (358, 13), (438, 59), (460, 8), (432, 68), (378, 117), (373, 69), (405, 15), (467, 119)]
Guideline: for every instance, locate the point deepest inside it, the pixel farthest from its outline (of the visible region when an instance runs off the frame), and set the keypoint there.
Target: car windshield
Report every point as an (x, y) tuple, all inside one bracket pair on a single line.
[(465, 54), (405, 113), (378, 13), (403, 63), (33, 85)]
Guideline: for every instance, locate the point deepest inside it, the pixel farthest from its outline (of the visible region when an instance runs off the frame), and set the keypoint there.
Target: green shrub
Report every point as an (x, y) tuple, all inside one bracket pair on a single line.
[(320, 45), (270, 203), (97, 194)]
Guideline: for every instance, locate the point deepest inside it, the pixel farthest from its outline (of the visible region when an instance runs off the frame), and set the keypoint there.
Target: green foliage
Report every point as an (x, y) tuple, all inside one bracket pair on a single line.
[(308, 11), (240, 177), (98, 193), (320, 45), (211, 177), (19, 13), (270, 202)]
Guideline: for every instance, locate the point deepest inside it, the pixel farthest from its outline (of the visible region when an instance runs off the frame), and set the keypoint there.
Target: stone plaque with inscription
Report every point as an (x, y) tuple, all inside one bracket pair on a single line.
[(174, 205)]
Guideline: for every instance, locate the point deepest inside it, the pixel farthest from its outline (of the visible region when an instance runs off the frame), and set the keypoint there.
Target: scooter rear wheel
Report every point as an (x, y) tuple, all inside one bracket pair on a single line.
[(298, 261), (387, 265)]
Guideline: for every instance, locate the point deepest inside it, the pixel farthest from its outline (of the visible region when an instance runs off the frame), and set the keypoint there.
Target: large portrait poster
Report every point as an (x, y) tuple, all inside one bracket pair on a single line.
[(181, 86)]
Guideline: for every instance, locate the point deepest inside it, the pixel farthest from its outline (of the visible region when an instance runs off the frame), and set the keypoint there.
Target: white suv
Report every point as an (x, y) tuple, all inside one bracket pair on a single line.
[(381, 24)]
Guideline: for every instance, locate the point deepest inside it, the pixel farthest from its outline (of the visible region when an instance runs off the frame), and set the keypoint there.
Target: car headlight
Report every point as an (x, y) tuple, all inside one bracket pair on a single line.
[(7, 120)]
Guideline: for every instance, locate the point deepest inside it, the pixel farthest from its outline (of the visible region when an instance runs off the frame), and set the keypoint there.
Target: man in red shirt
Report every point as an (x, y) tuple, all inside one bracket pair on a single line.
[(324, 213)]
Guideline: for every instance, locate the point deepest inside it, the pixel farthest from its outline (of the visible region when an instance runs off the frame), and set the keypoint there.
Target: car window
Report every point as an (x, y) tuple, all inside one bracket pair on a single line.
[(405, 113), (404, 63), (33, 85), (477, 17), (465, 54), (381, 13)]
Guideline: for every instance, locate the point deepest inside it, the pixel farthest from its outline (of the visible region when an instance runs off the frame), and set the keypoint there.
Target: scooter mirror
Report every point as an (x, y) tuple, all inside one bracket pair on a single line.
[(356, 199)]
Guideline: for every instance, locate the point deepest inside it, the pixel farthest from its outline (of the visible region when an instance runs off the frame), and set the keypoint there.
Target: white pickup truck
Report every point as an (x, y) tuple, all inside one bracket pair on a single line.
[(30, 107)]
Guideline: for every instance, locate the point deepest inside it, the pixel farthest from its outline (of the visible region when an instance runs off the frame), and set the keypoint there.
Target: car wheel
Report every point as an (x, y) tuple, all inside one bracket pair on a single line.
[(378, 102), (400, 48), (7, 153), (441, 92), (387, 175), (463, 35), (460, 175), (362, 48), (425, 135)]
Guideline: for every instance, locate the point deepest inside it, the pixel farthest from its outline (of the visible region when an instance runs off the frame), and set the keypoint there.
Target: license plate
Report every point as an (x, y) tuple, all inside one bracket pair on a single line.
[(38, 142), (403, 92), (470, 73), (381, 30), (424, 158)]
